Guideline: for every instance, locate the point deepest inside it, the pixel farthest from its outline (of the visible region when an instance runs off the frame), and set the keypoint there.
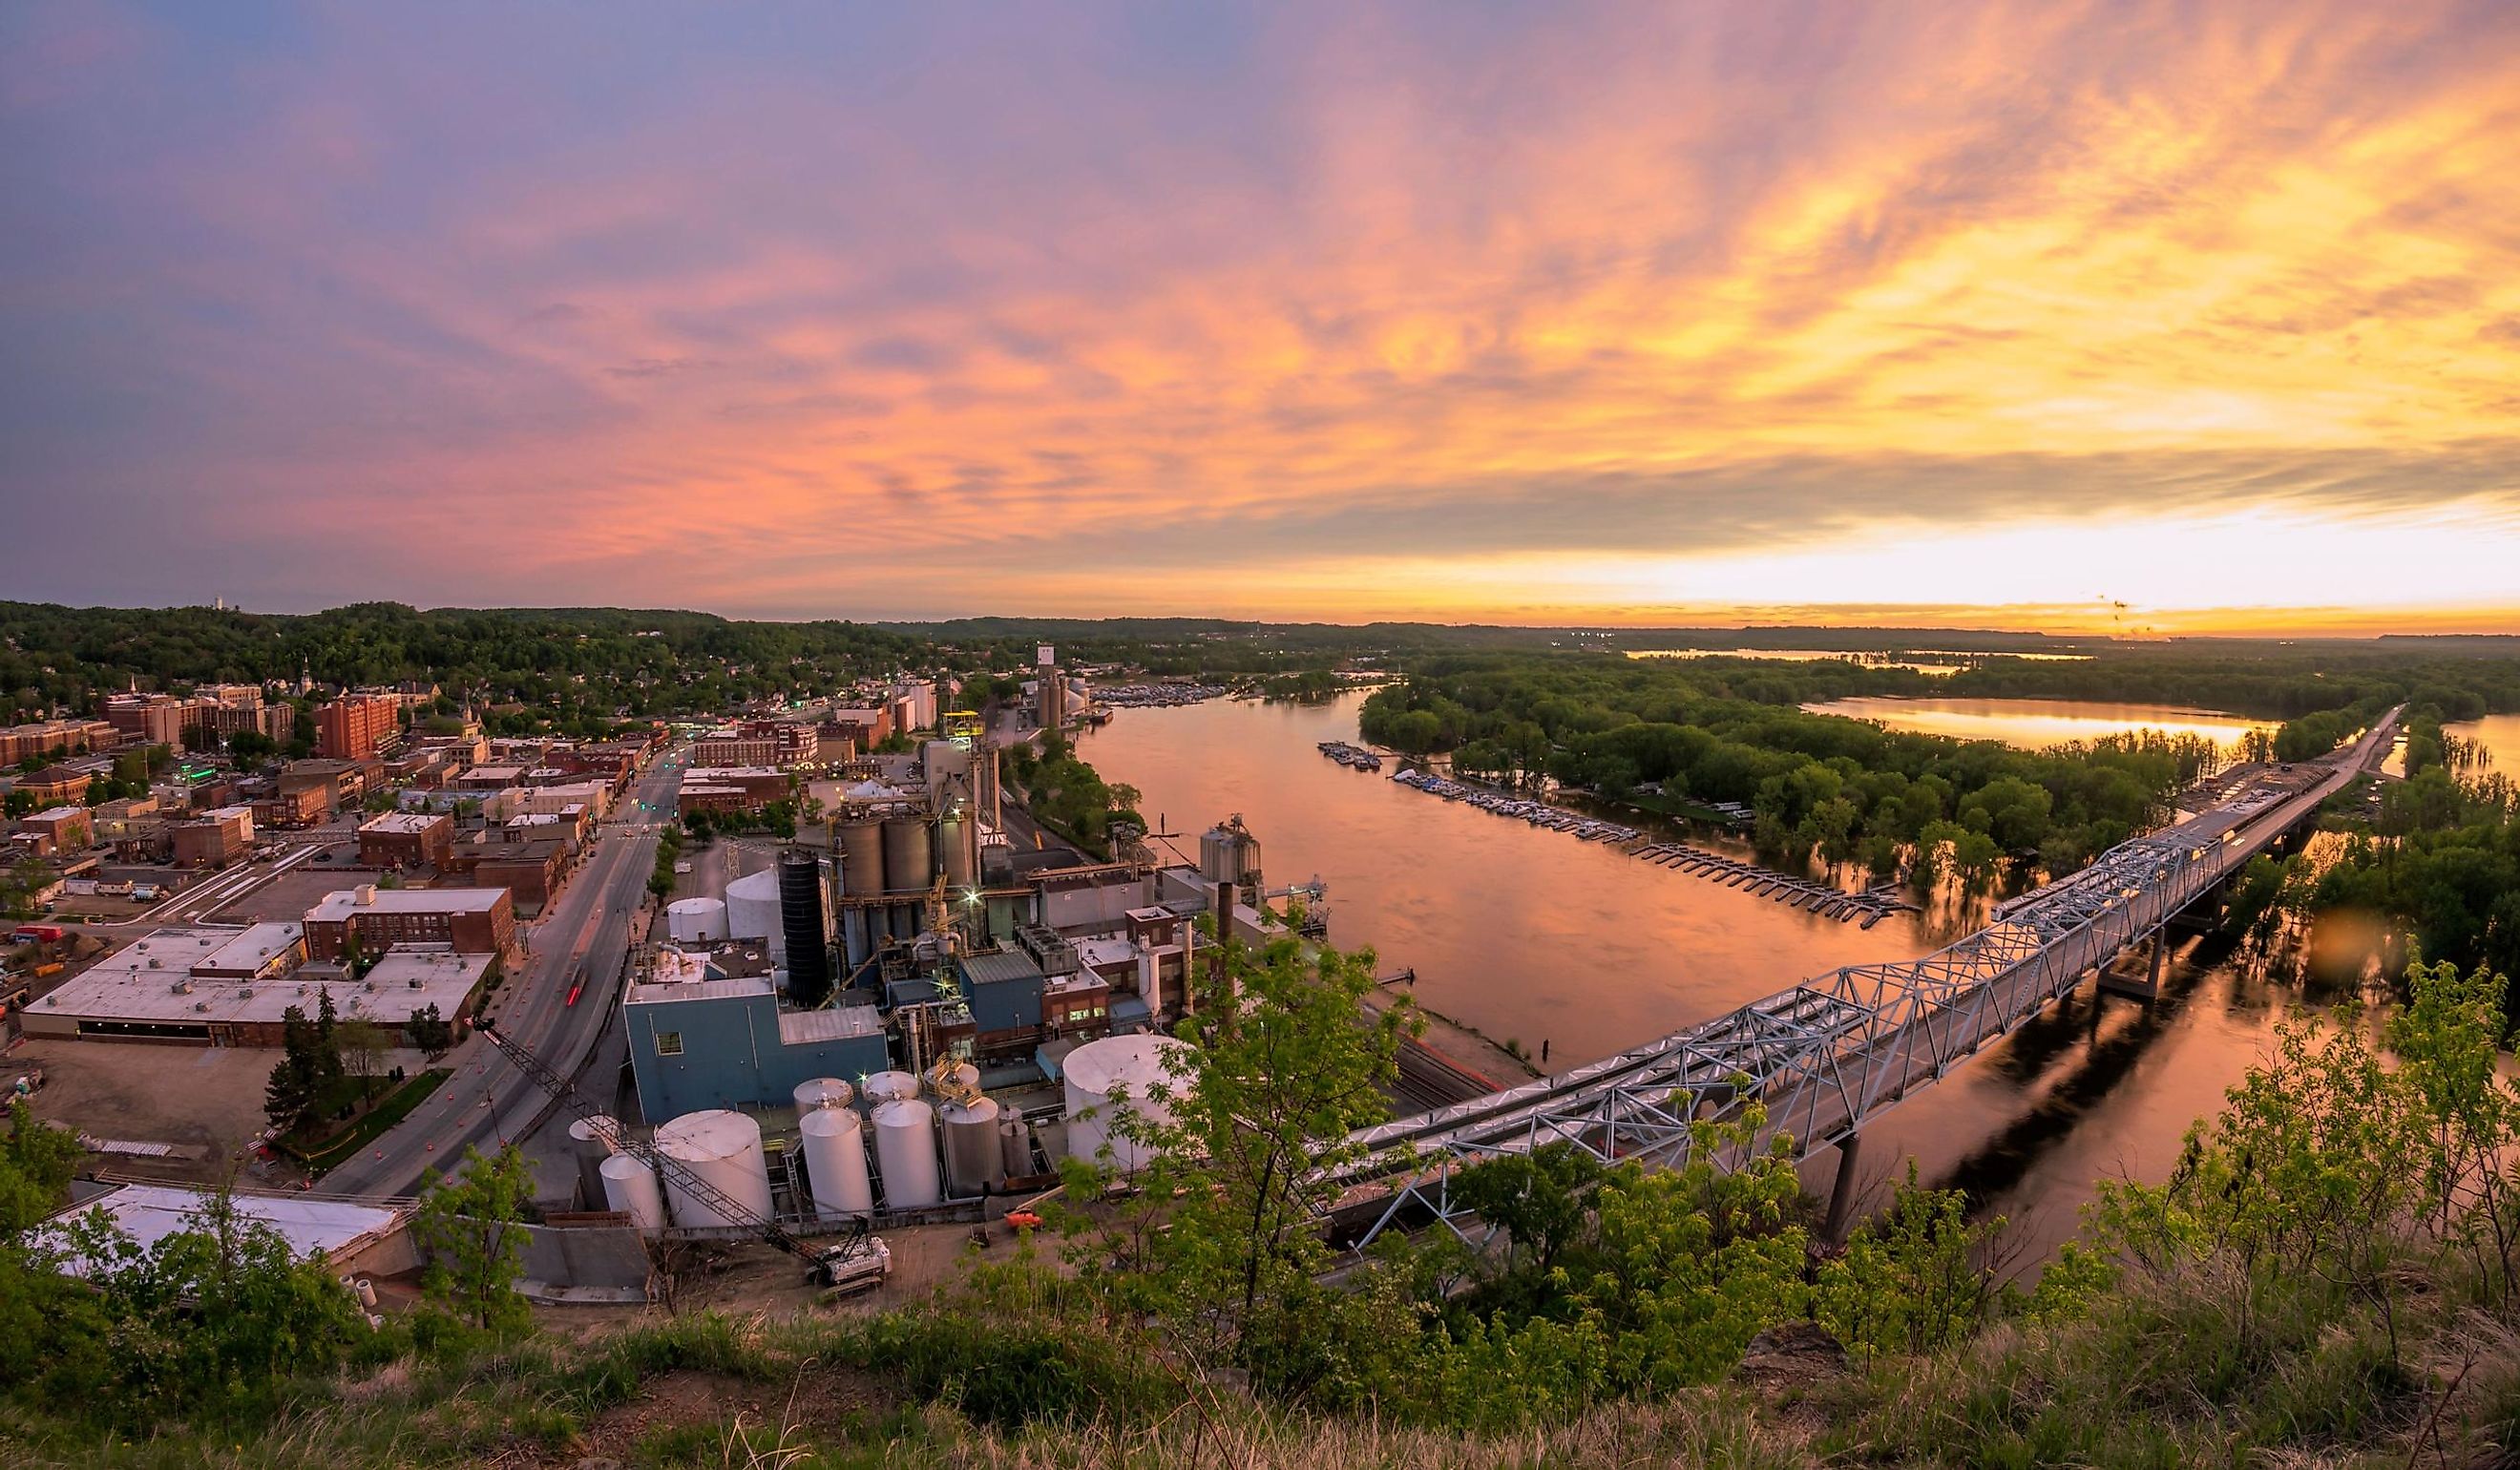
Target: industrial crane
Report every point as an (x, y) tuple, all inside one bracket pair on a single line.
[(829, 1266)]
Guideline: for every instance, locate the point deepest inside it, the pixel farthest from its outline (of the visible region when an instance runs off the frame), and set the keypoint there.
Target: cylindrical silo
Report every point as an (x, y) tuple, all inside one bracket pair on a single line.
[(630, 1187), (1099, 1075), (807, 924), (753, 912), (905, 1149), (880, 1087), (590, 1144), (959, 843), (974, 1163), (723, 1147), (909, 853), (696, 920), (1014, 1144), (835, 1148), (822, 1092), (861, 857), (853, 930)]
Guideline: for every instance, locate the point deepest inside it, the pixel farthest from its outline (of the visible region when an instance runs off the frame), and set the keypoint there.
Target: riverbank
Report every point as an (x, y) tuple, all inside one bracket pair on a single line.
[(1459, 1042)]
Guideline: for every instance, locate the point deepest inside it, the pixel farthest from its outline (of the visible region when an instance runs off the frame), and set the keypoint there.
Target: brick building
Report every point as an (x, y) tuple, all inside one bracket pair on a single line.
[(150, 719), (67, 828), (735, 749), (354, 727), (213, 839), (406, 839), (531, 872), (51, 737), (469, 921), (346, 781), (305, 805), (55, 785)]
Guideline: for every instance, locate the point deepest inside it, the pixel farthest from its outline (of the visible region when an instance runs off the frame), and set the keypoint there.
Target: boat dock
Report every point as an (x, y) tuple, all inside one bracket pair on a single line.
[(1539, 814), (1354, 757), (1870, 906)]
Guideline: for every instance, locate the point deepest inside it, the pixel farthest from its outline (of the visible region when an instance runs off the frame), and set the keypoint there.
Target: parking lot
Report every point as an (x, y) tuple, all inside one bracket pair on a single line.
[(206, 1102), (290, 895)]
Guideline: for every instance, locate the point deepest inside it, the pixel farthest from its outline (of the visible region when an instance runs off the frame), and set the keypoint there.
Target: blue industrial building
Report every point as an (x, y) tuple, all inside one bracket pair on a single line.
[(718, 1041), (1004, 990)]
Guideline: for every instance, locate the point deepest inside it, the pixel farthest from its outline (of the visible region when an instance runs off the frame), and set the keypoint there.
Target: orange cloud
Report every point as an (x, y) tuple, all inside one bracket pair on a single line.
[(1346, 314)]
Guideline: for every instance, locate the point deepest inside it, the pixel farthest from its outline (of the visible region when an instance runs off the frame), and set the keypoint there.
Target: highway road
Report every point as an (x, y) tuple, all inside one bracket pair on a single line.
[(587, 932)]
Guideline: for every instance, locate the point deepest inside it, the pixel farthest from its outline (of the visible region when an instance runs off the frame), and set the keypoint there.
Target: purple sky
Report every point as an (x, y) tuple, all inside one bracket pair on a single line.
[(1775, 309)]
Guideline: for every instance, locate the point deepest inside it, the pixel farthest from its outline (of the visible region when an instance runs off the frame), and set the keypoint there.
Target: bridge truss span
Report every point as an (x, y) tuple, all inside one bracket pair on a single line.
[(1828, 1054)]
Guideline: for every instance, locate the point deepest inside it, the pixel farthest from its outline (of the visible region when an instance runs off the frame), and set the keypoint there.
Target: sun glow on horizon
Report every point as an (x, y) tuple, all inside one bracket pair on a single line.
[(1292, 313)]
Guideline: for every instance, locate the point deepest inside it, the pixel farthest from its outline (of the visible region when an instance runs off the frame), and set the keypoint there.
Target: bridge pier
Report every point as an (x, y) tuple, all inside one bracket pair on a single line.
[(2148, 988), (1841, 1194)]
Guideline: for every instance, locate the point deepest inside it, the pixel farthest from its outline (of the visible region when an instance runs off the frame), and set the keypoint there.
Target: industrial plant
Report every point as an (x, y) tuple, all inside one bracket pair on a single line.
[(906, 1014)]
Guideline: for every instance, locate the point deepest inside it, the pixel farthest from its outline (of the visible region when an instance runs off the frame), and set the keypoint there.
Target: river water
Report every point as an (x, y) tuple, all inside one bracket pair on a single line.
[(1537, 936), (2033, 724), (2499, 734)]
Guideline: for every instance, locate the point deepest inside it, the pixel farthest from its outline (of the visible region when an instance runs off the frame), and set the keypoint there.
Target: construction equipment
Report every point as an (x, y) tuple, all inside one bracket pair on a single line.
[(858, 1257)]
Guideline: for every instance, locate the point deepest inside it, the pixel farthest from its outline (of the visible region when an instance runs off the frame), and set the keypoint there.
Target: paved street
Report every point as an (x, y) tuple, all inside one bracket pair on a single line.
[(586, 932)]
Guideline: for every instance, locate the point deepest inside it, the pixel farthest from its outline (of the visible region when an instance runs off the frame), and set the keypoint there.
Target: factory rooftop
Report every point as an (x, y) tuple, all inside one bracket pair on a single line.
[(797, 1028), (185, 983), (344, 903), (149, 1212)]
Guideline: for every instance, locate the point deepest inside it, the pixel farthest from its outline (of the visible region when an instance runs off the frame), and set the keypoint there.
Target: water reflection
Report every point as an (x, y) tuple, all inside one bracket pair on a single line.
[(1533, 935), (2035, 724)]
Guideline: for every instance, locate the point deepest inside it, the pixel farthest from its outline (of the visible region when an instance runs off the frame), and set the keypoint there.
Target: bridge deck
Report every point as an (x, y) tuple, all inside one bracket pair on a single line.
[(1832, 1052)]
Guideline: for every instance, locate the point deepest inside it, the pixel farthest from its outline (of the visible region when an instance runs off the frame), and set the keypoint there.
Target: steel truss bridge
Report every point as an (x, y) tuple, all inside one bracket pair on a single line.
[(1828, 1055)]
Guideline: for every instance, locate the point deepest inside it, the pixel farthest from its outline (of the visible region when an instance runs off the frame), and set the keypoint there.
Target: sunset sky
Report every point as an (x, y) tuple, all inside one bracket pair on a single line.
[(1941, 310)]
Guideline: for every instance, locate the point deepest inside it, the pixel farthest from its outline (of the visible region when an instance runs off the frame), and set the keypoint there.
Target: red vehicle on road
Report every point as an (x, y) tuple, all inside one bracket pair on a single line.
[(39, 934)]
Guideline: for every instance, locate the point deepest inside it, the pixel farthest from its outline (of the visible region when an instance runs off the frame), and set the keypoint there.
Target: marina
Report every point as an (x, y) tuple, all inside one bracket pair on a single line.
[(1821, 900), (1539, 814), (1354, 757), (1164, 694)]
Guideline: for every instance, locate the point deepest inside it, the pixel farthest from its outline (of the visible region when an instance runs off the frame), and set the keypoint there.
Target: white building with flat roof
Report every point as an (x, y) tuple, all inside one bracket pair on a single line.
[(346, 1235), (217, 987)]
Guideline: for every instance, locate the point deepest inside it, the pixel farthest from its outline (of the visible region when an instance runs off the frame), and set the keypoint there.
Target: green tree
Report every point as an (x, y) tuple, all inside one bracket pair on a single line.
[(471, 1226), (1542, 1199), (36, 1166), (363, 1047), (431, 1032), (296, 1080), (213, 1321), (1915, 1280), (1224, 1241)]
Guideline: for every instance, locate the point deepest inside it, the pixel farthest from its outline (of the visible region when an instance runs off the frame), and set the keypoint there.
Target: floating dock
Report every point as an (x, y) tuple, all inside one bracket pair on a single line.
[(1869, 907), (1539, 814), (1354, 757)]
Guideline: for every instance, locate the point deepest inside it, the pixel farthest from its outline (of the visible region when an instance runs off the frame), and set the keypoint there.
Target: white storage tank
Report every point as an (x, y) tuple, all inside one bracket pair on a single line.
[(905, 1147), (886, 1086), (590, 1142), (1097, 1071), (974, 1162), (835, 1146), (630, 1187), (753, 912), (822, 1092), (696, 920), (723, 1147)]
